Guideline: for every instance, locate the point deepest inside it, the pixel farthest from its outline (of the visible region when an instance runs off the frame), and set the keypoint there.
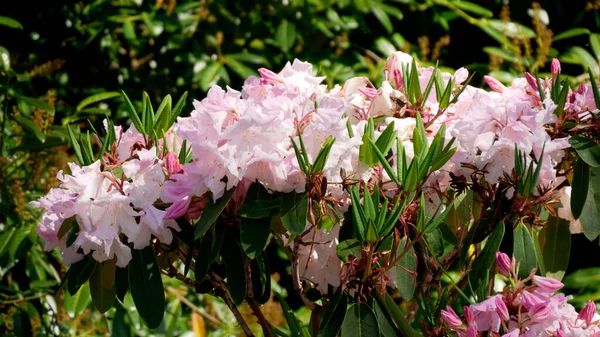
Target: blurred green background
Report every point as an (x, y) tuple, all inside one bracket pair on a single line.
[(64, 62)]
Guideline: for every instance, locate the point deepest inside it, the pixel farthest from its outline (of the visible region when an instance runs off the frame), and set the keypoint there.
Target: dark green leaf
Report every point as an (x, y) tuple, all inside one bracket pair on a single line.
[(103, 292), (486, 258), (22, 323), (79, 273), (176, 112), (261, 278), (294, 207), (587, 149), (233, 258), (590, 215), (386, 325), (254, 234), (146, 286), (30, 127), (211, 213), (396, 315), (580, 184), (347, 248), (258, 209), (119, 327), (209, 250), (405, 271), (557, 246), (290, 318), (135, 118), (334, 315), (523, 250), (360, 321)]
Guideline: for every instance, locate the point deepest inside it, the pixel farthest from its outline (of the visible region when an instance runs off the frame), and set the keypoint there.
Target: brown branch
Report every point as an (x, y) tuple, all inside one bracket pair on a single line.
[(193, 306), (221, 291), (298, 282), (264, 324)]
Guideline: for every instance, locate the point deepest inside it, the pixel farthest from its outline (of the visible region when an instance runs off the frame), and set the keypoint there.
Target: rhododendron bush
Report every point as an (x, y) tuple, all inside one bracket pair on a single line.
[(405, 192)]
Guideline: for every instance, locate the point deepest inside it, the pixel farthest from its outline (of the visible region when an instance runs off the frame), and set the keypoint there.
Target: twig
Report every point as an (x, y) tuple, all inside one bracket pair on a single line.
[(264, 324), (298, 282), (193, 306), (24, 299), (221, 291)]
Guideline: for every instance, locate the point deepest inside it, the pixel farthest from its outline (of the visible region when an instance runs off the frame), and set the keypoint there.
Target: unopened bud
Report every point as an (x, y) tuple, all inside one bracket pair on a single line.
[(450, 317), (587, 313), (501, 308), (531, 81), (504, 264), (472, 331), (172, 164), (555, 68), (468, 314), (496, 85), (269, 76), (547, 284)]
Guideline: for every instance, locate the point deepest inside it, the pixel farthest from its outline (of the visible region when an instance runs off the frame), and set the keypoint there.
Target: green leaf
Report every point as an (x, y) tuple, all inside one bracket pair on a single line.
[(557, 246), (22, 323), (4, 58), (524, 251), (486, 258), (365, 154), (580, 184), (10, 22), (397, 317), (37, 102), (293, 210), (135, 118), (322, 156), (146, 286), (347, 248), (285, 35), (75, 304), (79, 273), (258, 209), (473, 8), (254, 234), (405, 280), (30, 127), (209, 250), (211, 213), (103, 292), (386, 325), (177, 109), (590, 215), (209, 75), (587, 149), (569, 33), (562, 99), (595, 43), (594, 86), (506, 55), (163, 114), (119, 327), (334, 315), (580, 56), (378, 11), (239, 68), (290, 318), (97, 98), (233, 258), (261, 278), (360, 321)]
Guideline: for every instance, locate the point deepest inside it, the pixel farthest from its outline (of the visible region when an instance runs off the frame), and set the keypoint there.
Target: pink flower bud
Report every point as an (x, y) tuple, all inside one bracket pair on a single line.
[(504, 264), (501, 308), (547, 284), (468, 314), (539, 312), (555, 68), (514, 333), (529, 300), (450, 317), (531, 81), (496, 85), (587, 313), (472, 331), (172, 164), (269, 76), (461, 75), (560, 333), (178, 208)]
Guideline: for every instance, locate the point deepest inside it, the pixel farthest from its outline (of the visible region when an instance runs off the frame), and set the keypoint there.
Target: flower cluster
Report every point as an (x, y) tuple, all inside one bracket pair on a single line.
[(524, 309), (237, 138)]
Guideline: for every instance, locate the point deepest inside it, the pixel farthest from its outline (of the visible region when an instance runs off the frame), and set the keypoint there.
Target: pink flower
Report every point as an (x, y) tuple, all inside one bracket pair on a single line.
[(546, 284), (172, 164), (450, 317), (504, 264), (587, 313), (472, 331), (501, 308), (539, 312), (468, 314), (531, 81), (513, 333)]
